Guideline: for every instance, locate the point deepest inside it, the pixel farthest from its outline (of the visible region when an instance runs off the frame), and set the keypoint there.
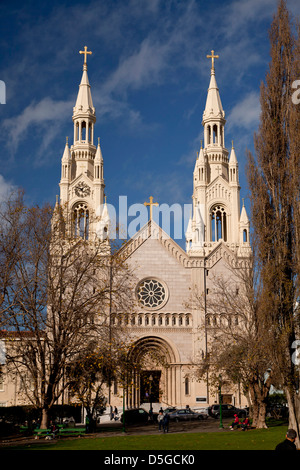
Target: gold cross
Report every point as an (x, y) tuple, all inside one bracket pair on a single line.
[(151, 203), (212, 57), (85, 52)]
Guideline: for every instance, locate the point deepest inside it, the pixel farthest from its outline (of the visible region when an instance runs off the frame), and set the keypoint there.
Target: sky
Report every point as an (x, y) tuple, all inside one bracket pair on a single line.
[(149, 77)]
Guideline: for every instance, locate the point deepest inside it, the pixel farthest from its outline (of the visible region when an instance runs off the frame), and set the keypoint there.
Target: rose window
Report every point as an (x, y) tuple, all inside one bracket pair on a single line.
[(151, 293)]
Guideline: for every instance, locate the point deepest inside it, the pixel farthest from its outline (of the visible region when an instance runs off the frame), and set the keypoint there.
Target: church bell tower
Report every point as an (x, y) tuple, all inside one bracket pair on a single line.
[(216, 213), (82, 199)]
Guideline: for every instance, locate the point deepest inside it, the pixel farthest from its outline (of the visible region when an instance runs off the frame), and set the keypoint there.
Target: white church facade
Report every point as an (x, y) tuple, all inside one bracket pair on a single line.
[(163, 321)]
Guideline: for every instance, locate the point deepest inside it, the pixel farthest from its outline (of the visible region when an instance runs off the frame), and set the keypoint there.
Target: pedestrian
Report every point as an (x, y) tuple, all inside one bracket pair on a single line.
[(111, 413), (160, 418), (151, 413), (53, 429), (245, 424), (289, 442), (116, 417), (235, 422), (165, 422)]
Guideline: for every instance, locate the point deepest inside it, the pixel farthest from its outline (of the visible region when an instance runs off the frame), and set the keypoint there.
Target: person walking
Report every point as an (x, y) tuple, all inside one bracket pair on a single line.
[(160, 418), (165, 422), (289, 442)]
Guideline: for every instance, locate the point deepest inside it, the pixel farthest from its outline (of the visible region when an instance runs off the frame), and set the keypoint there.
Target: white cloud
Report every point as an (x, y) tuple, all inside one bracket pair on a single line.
[(245, 114), (141, 68), (5, 188), (243, 12), (35, 114)]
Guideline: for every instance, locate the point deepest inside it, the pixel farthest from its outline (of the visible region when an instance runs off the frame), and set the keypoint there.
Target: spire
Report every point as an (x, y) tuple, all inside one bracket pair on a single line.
[(189, 235), (214, 129), (66, 155), (201, 157), (244, 216), (84, 115), (232, 159), (103, 226), (98, 156), (213, 108), (84, 102), (189, 231), (105, 214), (233, 167)]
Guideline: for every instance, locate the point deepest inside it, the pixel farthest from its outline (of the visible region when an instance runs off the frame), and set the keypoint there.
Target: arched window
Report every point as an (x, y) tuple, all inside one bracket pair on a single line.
[(209, 134), (215, 134), (218, 220), (81, 221), (245, 236), (83, 131)]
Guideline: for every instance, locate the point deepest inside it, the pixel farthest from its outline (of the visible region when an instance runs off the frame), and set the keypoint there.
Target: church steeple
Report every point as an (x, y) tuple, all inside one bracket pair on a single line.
[(84, 118), (84, 102), (216, 195), (213, 122), (213, 108), (82, 182)]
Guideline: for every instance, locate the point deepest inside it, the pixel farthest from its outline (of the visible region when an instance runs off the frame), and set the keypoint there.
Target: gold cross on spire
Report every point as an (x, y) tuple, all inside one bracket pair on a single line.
[(151, 203), (212, 57), (85, 52)]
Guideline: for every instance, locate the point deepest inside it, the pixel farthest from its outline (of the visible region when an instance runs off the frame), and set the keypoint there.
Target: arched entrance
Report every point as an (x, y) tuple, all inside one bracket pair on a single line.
[(154, 382)]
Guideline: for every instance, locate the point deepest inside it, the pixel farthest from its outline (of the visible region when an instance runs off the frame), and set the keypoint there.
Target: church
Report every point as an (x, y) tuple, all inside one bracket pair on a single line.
[(218, 231)]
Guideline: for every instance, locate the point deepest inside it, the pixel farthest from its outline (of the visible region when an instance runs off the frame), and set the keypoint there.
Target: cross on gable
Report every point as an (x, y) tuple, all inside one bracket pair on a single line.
[(150, 204)]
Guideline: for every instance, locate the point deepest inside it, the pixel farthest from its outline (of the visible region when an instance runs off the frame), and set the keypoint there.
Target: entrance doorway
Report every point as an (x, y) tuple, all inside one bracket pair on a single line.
[(149, 386), (226, 399)]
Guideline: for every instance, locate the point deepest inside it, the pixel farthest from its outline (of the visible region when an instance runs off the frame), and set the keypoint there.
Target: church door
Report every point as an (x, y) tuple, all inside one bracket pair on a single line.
[(149, 386)]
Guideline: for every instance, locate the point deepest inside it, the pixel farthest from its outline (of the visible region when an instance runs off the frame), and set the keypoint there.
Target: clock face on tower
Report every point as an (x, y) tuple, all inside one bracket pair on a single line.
[(82, 189)]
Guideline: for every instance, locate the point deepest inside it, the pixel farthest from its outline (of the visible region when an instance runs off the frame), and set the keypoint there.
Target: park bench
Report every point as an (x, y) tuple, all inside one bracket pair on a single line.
[(41, 433), (61, 432), (23, 428), (71, 432)]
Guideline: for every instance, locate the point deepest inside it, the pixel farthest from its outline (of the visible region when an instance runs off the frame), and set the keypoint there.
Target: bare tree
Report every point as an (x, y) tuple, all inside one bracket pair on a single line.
[(237, 336), (62, 292), (90, 375), (11, 229)]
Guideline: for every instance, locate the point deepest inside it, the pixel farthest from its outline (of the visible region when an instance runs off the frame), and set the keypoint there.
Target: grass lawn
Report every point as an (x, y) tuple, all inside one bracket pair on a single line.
[(261, 439)]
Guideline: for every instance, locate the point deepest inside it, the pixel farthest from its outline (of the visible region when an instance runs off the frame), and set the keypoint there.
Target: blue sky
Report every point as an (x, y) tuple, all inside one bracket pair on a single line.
[(149, 76)]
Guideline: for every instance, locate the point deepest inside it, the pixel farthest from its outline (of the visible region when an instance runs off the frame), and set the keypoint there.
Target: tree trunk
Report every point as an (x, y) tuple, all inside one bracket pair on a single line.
[(258, 397), (293, 400), (259, 415), (45, 419), (261, 419), (255, 412)]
